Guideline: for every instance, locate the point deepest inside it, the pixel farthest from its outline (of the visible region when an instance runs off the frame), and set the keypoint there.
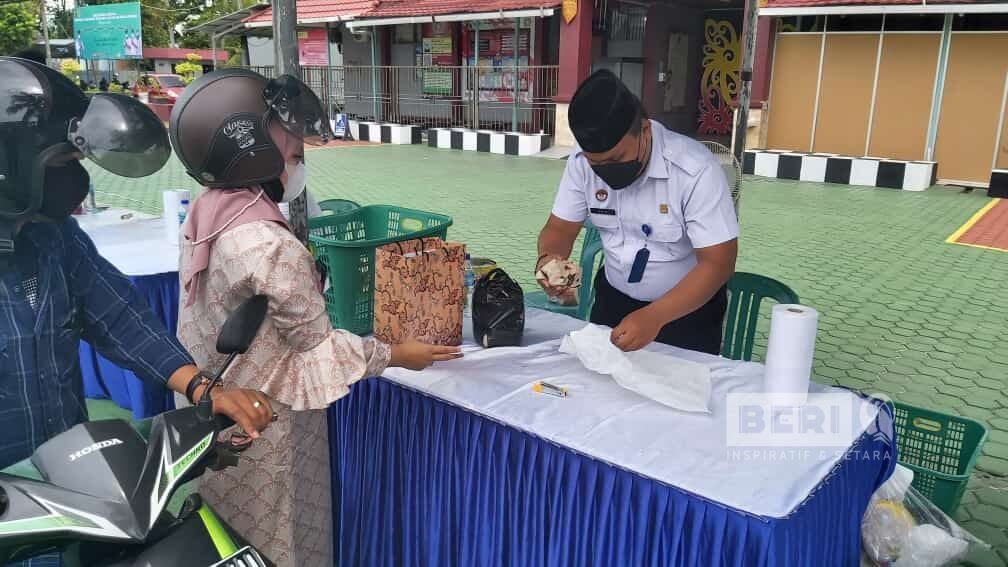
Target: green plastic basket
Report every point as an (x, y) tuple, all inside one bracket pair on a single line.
[(941, 450), (345, 245)]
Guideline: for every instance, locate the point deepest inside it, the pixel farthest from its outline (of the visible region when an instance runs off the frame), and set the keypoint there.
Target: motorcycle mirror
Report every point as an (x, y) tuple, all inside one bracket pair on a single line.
[(242, 325)]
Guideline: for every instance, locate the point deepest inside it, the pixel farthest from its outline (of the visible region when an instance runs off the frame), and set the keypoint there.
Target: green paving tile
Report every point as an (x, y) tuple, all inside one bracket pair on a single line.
[(876, 359), (943, 356), (988, 383), (954, 382), (894, 289), (997, 450), (983, 402), (970, 363), (950, 347), (1000, 423), (998, 373), (997, 497), (933, 372), (873, 369), (946, 403), (990, 534)]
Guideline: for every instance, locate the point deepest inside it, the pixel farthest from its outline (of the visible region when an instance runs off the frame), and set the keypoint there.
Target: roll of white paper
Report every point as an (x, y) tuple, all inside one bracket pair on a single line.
[(789, 354)]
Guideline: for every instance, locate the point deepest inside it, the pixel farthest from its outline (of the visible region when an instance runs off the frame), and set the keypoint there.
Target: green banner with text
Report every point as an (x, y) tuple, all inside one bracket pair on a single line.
[(109, 31)]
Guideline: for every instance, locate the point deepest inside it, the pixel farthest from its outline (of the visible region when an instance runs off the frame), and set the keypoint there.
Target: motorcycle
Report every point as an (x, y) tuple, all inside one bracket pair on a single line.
[(98, 493)]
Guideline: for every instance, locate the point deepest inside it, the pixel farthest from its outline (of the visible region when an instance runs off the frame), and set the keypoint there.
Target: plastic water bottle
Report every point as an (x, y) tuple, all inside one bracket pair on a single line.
[(469, 280), (183, 209)]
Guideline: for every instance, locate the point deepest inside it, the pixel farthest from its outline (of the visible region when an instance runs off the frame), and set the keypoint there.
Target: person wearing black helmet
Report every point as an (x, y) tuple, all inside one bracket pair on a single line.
[(242, 136), (55, 289)]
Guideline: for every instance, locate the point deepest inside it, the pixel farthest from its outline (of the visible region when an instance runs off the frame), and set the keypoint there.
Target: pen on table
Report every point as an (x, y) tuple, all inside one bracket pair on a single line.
[(542, 387)]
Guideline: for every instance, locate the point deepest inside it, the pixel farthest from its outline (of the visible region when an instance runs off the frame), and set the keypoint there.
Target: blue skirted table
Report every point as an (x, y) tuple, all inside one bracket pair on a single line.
[(455, 466), (138, 245)]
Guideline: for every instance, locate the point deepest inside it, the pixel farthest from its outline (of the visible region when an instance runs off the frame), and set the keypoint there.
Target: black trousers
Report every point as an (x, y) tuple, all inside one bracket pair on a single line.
[(700, 330)]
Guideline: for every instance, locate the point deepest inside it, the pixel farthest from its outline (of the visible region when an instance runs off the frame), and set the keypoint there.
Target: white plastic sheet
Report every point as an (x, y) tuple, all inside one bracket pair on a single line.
[(666, 379)]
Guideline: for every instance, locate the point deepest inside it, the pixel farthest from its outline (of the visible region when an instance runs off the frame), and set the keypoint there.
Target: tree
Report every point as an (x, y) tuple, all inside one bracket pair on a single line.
[(189, 68), (18, 25)]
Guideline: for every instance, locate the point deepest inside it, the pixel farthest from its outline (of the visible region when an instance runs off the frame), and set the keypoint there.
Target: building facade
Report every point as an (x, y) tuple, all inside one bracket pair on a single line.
[(915, 82), (512, 65)]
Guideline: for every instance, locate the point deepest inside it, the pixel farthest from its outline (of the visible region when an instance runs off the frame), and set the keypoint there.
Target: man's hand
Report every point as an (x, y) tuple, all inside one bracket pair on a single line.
[(249, 409), (556, 240), (414, 355), (551, 291), (637, 330)]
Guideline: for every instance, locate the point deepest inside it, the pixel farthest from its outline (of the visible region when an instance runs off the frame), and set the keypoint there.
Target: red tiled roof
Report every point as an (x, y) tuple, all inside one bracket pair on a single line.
[(395, 8), (363, 9), (308, 9), (180, 53), (814, 3)]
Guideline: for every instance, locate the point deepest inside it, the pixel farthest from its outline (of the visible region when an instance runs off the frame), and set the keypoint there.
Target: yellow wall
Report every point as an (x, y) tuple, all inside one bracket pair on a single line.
[(903, 98), (845, 95), (792, 91), (1002, 161), (971, 104)]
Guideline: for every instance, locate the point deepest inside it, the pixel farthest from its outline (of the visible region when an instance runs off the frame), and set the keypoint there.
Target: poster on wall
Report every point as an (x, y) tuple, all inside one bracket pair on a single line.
[(108, 31), (312, 45), (438, 51), (497, 74), (721, 68)]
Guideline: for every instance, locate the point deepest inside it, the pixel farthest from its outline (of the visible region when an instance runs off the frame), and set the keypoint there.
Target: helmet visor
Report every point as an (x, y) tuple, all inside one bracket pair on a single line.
[(294, 105), (25, 97), (121, 135)]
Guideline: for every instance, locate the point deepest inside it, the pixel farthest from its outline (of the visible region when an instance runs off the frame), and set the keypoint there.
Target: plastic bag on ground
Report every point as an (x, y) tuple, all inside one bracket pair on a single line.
[(902, 528)]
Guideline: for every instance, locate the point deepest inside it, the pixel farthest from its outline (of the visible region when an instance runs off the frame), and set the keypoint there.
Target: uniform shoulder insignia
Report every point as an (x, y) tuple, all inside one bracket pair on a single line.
[(686, 154)]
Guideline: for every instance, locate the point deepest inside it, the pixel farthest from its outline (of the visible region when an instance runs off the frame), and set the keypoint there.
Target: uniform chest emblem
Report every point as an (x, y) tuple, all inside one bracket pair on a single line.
[(601, 195), (663, 209)]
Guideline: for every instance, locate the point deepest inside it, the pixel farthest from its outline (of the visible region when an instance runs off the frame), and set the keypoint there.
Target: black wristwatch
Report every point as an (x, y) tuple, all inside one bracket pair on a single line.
[(197, 379)]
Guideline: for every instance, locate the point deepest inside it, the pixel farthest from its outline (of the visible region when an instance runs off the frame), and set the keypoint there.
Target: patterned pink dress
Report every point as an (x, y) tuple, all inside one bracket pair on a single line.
[(279, 496)]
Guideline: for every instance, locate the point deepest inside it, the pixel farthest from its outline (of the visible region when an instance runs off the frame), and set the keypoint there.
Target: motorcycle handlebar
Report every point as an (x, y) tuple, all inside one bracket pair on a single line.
[(222, 422)]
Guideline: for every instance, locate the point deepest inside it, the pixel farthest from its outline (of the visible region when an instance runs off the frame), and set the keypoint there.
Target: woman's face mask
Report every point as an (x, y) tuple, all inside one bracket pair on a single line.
[(296, 180)]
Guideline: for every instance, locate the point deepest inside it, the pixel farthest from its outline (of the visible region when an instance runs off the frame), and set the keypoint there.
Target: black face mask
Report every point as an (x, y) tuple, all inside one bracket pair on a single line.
[(64, 189), (621, 174)]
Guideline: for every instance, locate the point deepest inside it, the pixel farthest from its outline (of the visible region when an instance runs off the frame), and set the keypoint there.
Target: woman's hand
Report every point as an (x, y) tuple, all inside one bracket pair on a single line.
[(414, 355)]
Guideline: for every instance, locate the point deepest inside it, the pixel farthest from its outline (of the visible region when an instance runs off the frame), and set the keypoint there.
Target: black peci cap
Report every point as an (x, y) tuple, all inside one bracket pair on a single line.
[(602, 111)]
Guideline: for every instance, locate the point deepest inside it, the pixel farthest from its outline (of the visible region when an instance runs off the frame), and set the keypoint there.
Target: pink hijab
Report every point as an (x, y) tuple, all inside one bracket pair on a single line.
[(214, 212)]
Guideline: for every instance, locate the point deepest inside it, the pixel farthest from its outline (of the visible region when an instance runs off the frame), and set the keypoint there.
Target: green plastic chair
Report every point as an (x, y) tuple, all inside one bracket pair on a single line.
[(591, 249), (746, 292), (338, 206)]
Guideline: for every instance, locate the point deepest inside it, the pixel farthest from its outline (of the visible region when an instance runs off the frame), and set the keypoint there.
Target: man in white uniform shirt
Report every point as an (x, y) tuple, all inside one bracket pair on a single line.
[(662, 206)]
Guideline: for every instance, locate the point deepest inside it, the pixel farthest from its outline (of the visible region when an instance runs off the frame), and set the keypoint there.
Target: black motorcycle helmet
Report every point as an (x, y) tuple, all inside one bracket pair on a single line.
[(219, 127), (43, 115), (498, 311)]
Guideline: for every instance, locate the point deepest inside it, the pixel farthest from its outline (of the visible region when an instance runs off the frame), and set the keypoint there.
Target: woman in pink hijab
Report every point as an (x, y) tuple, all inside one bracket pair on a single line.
[(241, 136)]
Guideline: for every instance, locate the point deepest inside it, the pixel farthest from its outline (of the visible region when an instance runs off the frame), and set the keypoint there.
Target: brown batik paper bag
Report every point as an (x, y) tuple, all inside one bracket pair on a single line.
[(419, 292)]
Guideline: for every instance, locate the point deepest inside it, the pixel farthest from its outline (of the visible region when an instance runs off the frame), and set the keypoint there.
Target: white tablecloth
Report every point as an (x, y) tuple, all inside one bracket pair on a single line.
[(607, 422), (137, 244)]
